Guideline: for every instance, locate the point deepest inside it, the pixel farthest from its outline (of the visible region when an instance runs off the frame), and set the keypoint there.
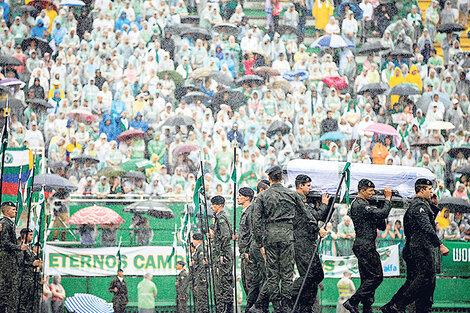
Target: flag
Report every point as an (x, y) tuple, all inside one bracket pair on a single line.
[(346, 183), (234, 173), (118, 254), (197, 191), (17, 160), (185, 226), (39, 216), (175, 244)]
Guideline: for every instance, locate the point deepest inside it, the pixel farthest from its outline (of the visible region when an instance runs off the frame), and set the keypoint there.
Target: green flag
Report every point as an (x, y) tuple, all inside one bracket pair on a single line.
[(196, 199), (175, 244), (39, 217), (118, 254), (346, 183), (234, 173)]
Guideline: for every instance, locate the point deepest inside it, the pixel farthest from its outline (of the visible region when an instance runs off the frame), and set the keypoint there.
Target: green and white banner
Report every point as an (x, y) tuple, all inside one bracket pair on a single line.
[(136, 261), (336, 266)]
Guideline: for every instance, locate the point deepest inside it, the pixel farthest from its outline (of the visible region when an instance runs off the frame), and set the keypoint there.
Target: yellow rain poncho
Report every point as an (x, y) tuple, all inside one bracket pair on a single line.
[(396, 79), (414, 78), (322, 10)]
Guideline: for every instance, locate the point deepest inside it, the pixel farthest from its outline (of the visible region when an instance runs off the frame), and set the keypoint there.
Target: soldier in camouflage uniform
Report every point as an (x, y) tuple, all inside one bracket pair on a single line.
[(223, 256), (305, 246), (182, 283), (199, 269), (9, 254), (273, 214), (367, 219), (418, 253), (28, 267)]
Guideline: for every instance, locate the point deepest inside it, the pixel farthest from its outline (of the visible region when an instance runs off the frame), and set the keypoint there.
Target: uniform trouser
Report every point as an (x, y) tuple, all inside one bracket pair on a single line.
[(119, 307), (253, 275), (279, 269), (370, 270), (304, 250), (27, 297), (9, 282), (182, 305), (420, 281), (223, 284), (201, 298)]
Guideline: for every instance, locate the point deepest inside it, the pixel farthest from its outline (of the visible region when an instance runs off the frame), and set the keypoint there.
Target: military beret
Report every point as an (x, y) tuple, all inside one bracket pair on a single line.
[(265, 181), (302, 179), (273, 170), (198, 236), (8, 203), (365, 184), (181, 263), (247, 192), (218, 200), (423, 182)]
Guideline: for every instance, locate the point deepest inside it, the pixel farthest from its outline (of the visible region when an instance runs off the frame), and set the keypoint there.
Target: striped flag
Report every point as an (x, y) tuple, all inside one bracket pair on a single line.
[(17, 160)]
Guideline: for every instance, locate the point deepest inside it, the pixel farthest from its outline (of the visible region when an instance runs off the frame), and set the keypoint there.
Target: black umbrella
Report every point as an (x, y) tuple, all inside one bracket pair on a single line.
[(194, 96), (17, 107), (390, 8), (249, 79), (426, 142), (152, 208), (455, 204), (177, 29), (39, 101), (183, 90), (41, 44), (179, 120), (27, 8), (197, 32), (371, 47), (405, 54), (222, 78), (227, 28), (190, 212), (311, 154), (232, 98), (52, 182), (450, 28), (284, 28), (56, 164), (190, 19), (464, 170), (135, 174), (455, 151), (404, 89), (375, 88), (276, 127), (83, 158), (9, 60)]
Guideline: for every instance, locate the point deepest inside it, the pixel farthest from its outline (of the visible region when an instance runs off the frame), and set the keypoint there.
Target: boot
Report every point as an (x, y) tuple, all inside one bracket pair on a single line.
[(367, 309), (260, 306), (228, 308), (288, 305), (391, 308), (353, 308), (278, 307)]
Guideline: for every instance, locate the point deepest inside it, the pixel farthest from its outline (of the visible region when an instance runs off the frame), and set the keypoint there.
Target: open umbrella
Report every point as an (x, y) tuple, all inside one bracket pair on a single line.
[(382, 129), (427, 97), (41, 44), (459, 56), (371, 47), (404, 89), (41, 102), (194, 96), (250, 79), (426, 142), (196, 32), (179, 120), (291, 76), (230, 97), (227, 28), (12, 82), (42, 4), (277, 127), (294, 30), (183, 90), (190, 19), (9, 60), (283, 84), (72, 3), (311, 154), (463, 170), (82, 115), (28, 9), (130, 133), (332, 41), (136, 164), (375, 88), (176, 29), (354, 7), (52, 182), (17, 107), (259, 53), (336, 82), (266, 71), (455, 204), (405, 54), (201, 73), (173, 75), (96, 215), (85, 303), (111, 171), (335, 135), (57, 164), (83, 158), (222, 78), (186, 148), (453, 153), (439, 125), (152, 208), (450, 28), (135, 174)]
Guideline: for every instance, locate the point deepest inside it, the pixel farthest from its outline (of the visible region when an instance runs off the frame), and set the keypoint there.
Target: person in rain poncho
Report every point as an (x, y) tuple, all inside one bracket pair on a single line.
[(396, 79), (322, 10), (414, 78), (39, 31), (121, 21), (139, 123), (108, 127)]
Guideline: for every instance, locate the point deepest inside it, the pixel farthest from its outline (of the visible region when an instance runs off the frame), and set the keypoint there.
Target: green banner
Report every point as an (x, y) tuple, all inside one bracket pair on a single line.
[(457, 263)]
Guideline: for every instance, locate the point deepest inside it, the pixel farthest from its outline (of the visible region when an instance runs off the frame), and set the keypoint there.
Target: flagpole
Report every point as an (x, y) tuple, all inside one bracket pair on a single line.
[(38, 251), (18, 216), (209, 273), (234, 177), (4, 149)]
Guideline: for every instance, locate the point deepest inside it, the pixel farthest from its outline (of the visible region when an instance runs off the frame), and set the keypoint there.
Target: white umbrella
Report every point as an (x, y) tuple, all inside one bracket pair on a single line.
[(440, 125)]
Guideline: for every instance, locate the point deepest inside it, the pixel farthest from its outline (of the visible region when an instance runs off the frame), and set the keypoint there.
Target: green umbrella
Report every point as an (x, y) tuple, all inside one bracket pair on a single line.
[(111, 171), (136, 164), (173, 75)]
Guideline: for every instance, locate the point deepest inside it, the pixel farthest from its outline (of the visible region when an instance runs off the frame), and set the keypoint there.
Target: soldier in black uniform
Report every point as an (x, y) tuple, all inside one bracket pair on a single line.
[(28, 267), (118, 288), (182, 283), (199, 270), (305, 246), (9, 254), (221, 231), (367, 219), (273, 214), (418, 253)]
